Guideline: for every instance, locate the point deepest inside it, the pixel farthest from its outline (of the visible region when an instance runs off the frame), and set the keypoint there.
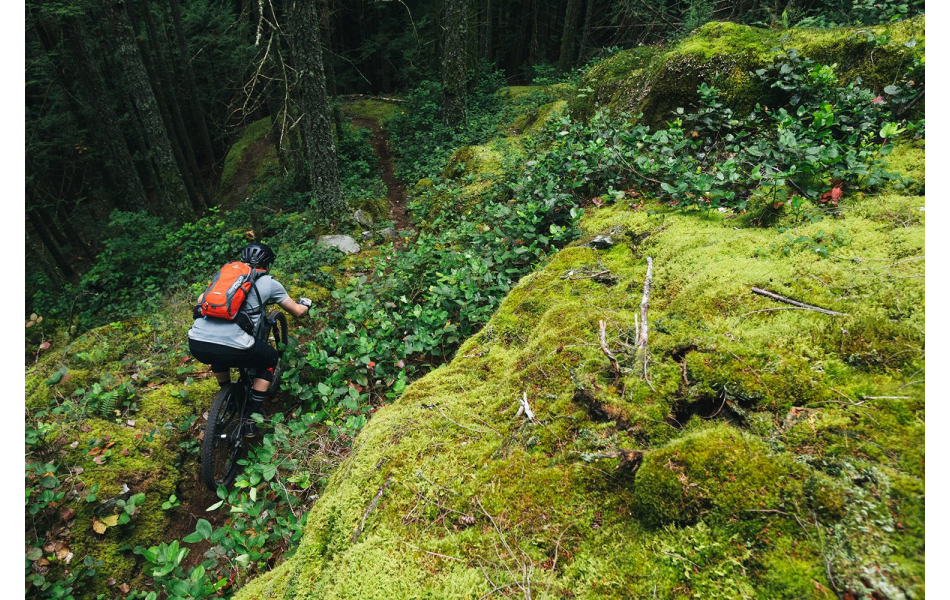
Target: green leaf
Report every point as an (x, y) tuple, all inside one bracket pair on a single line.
[(203, 528)]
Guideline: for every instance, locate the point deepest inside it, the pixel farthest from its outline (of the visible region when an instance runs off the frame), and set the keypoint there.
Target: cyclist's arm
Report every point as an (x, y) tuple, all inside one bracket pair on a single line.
[(297, 310)]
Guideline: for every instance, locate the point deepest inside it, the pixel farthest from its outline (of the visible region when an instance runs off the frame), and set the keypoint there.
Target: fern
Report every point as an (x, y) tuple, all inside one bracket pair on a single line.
[(107, 404)]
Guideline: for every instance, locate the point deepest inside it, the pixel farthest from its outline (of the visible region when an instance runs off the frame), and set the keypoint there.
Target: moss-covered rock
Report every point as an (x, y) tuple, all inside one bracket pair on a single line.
[(250, 161), (655, 81), (751, 427)]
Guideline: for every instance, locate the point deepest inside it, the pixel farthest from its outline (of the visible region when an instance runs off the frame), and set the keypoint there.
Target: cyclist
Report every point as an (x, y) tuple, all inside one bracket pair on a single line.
[(224, 344)]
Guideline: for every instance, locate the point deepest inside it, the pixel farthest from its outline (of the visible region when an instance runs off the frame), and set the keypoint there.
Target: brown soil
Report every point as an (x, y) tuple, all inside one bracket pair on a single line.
[(395, 191)]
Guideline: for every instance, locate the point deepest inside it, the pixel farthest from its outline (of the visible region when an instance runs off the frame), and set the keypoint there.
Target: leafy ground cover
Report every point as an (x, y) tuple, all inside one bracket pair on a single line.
[(761, 440)]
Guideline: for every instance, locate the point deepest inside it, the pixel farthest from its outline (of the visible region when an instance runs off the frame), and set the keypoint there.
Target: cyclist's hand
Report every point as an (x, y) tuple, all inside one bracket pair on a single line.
[(306, 302)]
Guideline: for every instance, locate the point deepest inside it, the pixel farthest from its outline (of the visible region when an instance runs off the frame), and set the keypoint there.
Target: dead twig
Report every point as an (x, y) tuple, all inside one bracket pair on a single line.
[(525, 409), (884, 397), (432, 553), (775, 296), (603, 346), (642, 359), (370, 508)]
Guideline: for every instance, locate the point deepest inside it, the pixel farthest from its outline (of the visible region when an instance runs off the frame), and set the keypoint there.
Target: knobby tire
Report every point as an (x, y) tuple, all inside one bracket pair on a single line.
[(220, 455)]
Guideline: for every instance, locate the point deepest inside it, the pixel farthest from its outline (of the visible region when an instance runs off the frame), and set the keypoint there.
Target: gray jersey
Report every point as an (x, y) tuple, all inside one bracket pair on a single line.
[(226, 333)]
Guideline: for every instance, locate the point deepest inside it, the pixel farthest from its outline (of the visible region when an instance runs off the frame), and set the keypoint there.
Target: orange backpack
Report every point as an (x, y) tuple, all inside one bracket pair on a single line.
[(228, 291)]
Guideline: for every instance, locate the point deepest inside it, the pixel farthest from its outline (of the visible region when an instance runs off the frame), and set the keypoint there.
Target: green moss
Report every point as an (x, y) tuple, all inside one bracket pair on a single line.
[(253, 132), (378, 110), (656, 81), (715, 472), (745, 411)]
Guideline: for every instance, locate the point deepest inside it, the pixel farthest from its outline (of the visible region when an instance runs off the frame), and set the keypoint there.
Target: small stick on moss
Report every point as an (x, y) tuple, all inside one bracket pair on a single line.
[(603, 346), (775, 296), (370, 508), (884, 397), (525, 409), (643, 334), (432, 553)]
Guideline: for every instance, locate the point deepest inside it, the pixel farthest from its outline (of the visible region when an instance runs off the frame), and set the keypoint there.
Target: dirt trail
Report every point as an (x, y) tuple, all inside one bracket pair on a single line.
[(395, 191)]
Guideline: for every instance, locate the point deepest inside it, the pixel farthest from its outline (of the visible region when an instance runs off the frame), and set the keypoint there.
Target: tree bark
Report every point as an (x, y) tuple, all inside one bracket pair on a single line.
[(173, 197), (582, 54), (316, 129), (571, 14), (454, 32)]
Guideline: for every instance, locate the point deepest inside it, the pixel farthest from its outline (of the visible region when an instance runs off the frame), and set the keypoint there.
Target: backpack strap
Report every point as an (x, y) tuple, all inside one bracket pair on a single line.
[(245, 323)]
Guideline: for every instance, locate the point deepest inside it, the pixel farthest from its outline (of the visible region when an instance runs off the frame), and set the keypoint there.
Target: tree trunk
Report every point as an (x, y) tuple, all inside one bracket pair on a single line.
[(122, 165), (571, 14), (50, 246), (174, 201), (316, 129), (453, 62), (485, 40), (165, 90), (199, 116), (586, 42), (326, 32)]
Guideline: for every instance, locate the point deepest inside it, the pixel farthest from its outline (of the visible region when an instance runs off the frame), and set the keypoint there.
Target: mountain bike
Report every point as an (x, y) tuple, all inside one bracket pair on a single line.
[(224, 441)]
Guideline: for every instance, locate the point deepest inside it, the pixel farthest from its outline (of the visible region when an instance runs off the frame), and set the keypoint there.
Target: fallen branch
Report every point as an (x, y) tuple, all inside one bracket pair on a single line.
[(884, 397), (525, 409), (775, 296), (603, 346), (641, 360), (370, 508)]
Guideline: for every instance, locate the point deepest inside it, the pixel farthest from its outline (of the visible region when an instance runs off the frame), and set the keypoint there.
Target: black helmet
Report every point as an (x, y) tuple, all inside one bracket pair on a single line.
[(258, 255)]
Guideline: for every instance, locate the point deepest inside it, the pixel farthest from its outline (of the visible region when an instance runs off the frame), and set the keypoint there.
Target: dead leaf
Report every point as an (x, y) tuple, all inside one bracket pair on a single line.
[(74, 444), (125, 452), (98, 526), (68, 514), (63, 553), (99, 460), (44, 345), (125, 588)]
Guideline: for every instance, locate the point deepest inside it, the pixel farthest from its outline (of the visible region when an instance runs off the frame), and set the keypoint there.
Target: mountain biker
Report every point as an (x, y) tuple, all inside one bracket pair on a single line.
[(224, 344)]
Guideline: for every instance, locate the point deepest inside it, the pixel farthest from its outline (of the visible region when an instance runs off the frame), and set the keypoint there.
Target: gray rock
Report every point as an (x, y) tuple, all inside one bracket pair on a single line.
[(363, 218), (601, 242), (389, 233), (343, 243), (366, 236)]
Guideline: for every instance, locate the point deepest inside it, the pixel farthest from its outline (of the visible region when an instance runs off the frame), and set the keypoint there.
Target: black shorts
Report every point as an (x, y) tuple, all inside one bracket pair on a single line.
[(260, 356)]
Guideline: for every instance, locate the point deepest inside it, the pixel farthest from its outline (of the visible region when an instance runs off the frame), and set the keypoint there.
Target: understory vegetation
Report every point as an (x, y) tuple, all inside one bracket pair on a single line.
[(757, 449)]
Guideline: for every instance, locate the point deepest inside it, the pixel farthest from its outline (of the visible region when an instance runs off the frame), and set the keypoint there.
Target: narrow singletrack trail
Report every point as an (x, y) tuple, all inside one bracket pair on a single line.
[(395, 190)]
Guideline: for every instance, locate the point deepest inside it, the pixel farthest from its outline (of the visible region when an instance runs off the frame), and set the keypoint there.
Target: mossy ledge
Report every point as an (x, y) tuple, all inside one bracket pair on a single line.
[(655, 81), (763, 471)]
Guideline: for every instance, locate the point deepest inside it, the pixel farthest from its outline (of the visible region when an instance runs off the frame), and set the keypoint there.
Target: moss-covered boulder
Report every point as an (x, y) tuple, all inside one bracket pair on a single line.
[(249, 163), (761, 444), (655, 81)]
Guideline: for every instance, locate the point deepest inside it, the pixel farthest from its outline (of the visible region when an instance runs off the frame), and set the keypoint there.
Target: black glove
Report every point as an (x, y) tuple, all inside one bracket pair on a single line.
[(196, 312), (306, 302)]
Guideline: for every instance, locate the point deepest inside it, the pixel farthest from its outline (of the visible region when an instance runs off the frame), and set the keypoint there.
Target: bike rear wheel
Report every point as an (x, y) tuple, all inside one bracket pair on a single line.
[(223, 443), (277, 339)]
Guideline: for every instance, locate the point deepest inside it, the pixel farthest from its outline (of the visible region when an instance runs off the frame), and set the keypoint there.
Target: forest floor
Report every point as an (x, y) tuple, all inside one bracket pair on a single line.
[(395, 190)]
